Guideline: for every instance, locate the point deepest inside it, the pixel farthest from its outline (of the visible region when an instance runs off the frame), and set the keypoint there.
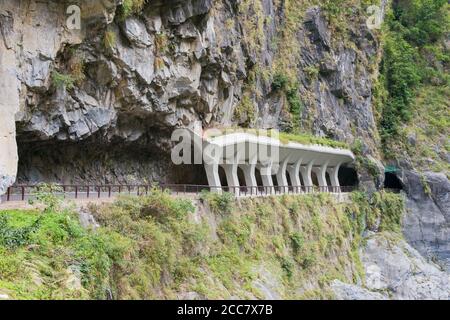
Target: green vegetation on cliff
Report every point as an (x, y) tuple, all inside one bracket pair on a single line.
[(308, 139), (159, 247), (130, 7), (43, 254), (285, 72), (285, 138), (415, 112)]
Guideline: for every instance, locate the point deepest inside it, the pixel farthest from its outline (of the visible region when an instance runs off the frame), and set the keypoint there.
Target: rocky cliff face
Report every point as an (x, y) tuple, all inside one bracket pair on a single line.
[(126, 82), (426, 224), (395, 270)]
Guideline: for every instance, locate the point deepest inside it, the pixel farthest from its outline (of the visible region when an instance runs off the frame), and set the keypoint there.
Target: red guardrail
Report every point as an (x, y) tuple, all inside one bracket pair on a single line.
[(25, 192)]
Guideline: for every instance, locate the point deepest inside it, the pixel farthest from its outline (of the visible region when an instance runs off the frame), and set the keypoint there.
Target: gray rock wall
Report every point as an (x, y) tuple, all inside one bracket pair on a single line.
[(31, 34), (9, 102), (395, 270), (175, 63), (426, 224)]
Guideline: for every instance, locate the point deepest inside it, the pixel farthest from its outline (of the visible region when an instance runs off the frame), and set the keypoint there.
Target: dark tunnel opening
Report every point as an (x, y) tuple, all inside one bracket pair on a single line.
[(348, 177), (391, 181)]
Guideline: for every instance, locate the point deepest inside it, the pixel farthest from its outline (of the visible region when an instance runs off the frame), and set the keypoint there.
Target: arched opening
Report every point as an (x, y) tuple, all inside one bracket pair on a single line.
[(391, 181), (301, 180), (275, 180), (348, 177), (288, 178), (223, 177), (314, 178), (241, 176), (328, 179), (258, 177), (259, 182), (275, 183)]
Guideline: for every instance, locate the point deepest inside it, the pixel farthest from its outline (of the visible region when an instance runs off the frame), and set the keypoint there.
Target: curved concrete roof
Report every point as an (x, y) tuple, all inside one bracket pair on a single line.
[(292, 151)]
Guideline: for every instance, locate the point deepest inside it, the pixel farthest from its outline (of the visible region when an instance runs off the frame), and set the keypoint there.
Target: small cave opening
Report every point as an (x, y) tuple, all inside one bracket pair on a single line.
[(226, 93), (391, 181), (348, 177)]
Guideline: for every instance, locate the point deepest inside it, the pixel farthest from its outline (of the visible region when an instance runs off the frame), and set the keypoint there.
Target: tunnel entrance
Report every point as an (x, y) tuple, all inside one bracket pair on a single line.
[(348, 177), (391, 181)]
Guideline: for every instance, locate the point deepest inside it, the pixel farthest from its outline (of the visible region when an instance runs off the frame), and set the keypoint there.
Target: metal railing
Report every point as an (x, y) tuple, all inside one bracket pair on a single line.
[(28, 192)]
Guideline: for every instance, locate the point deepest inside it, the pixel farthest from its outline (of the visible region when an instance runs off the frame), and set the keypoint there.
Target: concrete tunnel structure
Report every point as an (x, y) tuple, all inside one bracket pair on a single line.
[(271, 157)]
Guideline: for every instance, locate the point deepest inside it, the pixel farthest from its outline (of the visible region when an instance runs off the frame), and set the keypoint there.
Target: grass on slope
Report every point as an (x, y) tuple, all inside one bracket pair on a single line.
[(159, 247), (42, 256)]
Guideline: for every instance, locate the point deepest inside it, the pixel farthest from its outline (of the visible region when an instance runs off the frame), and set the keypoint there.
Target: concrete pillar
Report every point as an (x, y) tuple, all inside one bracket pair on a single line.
[(212, 174), (250, 176), (294, 174), (321, 175), (266, 176), (281, 176), (334, 177), (306, 175)]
